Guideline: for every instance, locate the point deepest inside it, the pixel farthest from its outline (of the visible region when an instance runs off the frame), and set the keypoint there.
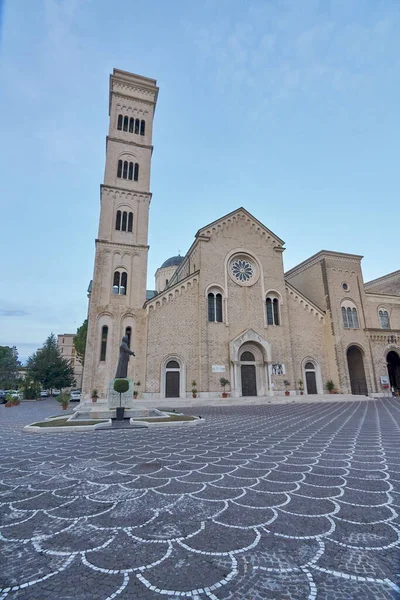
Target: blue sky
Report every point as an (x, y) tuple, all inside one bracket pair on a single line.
[(289, 108)]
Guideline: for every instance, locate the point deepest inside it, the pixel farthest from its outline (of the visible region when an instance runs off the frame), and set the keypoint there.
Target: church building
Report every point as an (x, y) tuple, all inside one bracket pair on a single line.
[(227, 308)]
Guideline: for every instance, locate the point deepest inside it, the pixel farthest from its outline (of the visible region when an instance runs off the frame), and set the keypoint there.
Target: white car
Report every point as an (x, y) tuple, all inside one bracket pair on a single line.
[(75, 396), (44, 394)]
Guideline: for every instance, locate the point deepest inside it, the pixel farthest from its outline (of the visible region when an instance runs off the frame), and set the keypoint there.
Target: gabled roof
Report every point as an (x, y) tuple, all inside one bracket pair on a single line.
[(206, 228), (383, 279)]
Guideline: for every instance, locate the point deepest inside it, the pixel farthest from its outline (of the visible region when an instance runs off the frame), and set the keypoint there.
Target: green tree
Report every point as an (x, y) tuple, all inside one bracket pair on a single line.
[(47, 366), (9, 366), (80, 341)]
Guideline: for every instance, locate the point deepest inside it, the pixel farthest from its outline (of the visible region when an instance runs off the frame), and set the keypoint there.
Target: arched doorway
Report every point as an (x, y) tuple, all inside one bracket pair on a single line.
[(248, 373), (393, 367), (311, 378), (172, 379), (355, 363)]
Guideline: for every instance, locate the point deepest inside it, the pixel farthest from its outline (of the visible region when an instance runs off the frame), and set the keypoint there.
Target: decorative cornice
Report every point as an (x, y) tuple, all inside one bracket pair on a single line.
[(305, 302), (130, 98), (144, 195), (122, 245), (171, 292), (128, 142), (316, 258), (384, 279), (382, 295)]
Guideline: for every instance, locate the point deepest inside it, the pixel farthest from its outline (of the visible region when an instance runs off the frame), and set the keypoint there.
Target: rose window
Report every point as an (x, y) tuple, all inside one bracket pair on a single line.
[(242, 270)]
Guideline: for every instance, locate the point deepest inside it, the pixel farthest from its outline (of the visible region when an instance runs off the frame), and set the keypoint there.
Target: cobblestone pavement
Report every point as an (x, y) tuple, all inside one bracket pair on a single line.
[(262, 502)]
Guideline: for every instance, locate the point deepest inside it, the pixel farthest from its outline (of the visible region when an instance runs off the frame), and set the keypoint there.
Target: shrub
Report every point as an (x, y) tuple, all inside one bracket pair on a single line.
[(63, 399), (121, 385)]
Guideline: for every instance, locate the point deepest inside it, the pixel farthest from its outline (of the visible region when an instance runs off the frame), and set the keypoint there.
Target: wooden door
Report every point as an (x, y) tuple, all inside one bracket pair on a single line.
[(172, 379), (311, 382), (249, 385)]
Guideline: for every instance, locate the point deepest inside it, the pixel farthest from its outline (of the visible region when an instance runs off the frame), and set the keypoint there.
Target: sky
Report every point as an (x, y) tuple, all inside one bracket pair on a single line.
[(289, 108)]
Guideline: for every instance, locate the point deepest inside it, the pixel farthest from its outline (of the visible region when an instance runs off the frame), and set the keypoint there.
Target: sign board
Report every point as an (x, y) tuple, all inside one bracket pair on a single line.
[(385, 381), (278, 369), (218, 368)]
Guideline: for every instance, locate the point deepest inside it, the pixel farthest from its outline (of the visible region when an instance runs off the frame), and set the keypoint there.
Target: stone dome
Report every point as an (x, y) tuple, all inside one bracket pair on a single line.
[(174, 261)]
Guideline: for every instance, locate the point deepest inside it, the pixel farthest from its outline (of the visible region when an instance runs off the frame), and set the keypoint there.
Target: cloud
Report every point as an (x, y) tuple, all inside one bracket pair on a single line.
[(13, 313)]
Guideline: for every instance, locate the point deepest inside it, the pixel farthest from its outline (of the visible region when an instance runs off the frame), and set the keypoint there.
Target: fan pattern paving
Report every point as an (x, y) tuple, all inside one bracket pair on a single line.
[(285, 501)]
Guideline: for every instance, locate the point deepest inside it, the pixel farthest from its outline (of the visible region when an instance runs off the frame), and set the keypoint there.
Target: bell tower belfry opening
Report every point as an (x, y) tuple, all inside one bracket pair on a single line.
[(120, 272)]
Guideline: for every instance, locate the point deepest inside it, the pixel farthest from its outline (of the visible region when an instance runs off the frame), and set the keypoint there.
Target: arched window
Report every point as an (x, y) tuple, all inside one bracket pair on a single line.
[(137, 125), (103, 346), (272, 306), (130, 222), (172, 364), (349, 315), (125, 172), (130, 174), (126, 123), (247, 356), (116, 281), (124, 218), (119, 171), (136, 175), (131, 124), (118, 221), (142, 127), (119, 126), (124, 283), (384, 318), (128, 333), (215, 307)]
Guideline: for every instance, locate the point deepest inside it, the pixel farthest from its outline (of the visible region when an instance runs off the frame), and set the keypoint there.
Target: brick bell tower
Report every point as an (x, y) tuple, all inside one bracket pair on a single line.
[(120, 269)]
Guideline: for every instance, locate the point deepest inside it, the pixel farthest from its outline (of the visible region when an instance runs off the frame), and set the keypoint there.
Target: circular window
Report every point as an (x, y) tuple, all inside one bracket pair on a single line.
[(243, 270), (345, 286)]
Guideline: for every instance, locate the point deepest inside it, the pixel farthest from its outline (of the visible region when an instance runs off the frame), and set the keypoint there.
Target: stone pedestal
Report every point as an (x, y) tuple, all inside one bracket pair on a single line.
[(127, 399)]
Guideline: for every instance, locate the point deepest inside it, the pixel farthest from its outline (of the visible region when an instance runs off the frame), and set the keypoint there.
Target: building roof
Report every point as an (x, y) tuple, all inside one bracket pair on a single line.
[(150, 294), (174, 261)]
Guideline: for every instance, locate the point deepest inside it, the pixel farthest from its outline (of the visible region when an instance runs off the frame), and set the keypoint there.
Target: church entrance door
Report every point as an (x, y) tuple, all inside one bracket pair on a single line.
[(172, 384), (355, 363), (311, 382), (393, 367), (249, 385)]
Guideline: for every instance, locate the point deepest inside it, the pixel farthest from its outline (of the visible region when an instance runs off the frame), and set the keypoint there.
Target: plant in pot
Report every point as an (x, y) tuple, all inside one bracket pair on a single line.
[(63, 399), (330, 386), (224, 382), (95, 395), (286, 383), (135, 390), (301, 387), (194, 390), (121, 386)]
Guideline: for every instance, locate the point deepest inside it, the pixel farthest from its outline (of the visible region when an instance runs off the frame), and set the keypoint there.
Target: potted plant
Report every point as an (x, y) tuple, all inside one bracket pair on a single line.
[(9, 400), (135, 390), (121, 386), (286, 383), (330, 386), (301, 387), (95, 396), (63, 399), (194, 390), (224, 382)]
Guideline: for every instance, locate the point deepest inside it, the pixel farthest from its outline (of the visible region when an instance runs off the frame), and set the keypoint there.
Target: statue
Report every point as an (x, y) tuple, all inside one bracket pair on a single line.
[(124, 354)]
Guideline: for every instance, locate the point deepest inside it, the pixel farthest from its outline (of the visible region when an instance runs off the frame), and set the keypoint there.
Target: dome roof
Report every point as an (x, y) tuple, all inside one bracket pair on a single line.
[(174, 261)]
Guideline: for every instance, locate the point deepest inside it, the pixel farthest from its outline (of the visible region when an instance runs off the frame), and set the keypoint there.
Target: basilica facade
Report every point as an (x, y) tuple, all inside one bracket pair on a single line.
[(227, 308)]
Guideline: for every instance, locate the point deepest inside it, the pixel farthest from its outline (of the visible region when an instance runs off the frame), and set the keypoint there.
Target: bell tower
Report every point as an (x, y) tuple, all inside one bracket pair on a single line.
[(120, 271)]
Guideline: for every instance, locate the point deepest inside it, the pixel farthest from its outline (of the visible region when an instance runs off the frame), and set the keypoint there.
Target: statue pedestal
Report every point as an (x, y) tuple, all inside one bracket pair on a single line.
[(127, 399)]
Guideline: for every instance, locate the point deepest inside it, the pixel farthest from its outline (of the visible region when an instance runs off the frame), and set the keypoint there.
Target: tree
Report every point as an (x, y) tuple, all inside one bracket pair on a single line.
[(80, 341), (9, 367), (47, 366)]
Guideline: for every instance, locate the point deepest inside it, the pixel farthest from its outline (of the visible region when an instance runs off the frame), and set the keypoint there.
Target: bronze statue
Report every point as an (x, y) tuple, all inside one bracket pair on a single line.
[(124, 354)]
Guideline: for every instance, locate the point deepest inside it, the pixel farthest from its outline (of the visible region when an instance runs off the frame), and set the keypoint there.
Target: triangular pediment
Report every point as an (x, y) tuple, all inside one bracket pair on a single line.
[(249, 336), (239, 215)]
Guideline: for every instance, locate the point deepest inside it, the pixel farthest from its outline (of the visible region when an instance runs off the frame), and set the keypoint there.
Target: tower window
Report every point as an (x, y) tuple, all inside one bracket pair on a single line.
[(272, 307), (124, 283), (349, 315), (120, 282), (137, 125), (124, 218), (119, 171), (103, 347), (130, 174), (142, 127), (214, 307), (120, 119), (136, 174), (125, 171), (118, 221), (130, 222), (384, 318), (131, 124), (126, 120), (124, 221)]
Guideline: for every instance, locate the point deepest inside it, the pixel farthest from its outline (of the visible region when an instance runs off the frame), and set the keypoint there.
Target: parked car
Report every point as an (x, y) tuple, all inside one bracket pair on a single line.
[(3, 394), (56, 393), (44, 394), (75, 396)]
